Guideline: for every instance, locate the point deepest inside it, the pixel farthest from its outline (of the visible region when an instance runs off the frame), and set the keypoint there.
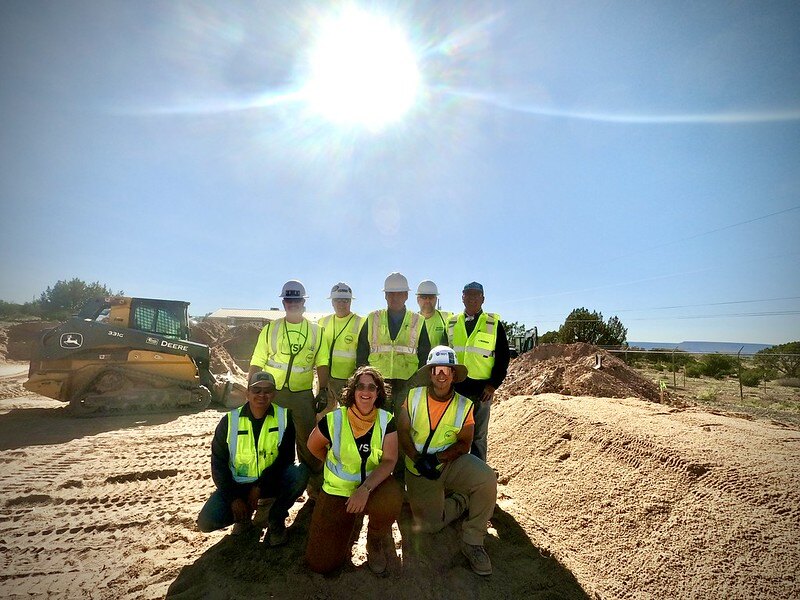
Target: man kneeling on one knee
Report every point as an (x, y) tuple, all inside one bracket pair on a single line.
[(252, 460), (435, 428)]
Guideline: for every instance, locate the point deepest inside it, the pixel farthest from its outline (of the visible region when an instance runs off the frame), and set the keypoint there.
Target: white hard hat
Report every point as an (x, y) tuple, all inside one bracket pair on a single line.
[(341, 290), (427, 288), (293, 289), (396, 282), (446, 357)]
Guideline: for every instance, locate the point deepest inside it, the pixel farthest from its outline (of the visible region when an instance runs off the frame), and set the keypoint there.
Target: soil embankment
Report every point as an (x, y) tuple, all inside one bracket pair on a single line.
[(599, 497)]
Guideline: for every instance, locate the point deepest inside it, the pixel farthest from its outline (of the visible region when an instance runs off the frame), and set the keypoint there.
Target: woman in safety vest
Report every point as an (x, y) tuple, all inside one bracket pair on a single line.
[(358, 445)]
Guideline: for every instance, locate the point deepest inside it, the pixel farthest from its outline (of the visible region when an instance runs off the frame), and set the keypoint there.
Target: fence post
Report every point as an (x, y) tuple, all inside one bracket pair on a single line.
[(674, 374), (739, 360)]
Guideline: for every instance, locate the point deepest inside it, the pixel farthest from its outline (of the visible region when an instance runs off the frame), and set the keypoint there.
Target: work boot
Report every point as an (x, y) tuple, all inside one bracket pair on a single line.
[(261, 518), (477, 558), (277, 535), (376, 553)]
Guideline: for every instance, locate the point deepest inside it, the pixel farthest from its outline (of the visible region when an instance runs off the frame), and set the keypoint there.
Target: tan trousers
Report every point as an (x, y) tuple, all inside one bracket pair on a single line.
[(302, 406), (433, 510), (332, 526)]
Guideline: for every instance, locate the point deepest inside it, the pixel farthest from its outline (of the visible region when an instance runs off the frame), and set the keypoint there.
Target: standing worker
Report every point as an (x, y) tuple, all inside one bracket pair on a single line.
[(481, 345), (341, 331), (394, 340), (289, 348), (435, 319)]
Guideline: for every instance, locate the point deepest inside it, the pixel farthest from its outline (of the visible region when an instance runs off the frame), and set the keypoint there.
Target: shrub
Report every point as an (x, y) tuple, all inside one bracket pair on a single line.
[(751, 377), (709, 394), (718, 365), (694, 370)]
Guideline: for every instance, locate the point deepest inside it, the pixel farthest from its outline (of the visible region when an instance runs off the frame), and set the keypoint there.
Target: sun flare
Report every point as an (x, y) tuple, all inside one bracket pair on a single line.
[(362, 71)]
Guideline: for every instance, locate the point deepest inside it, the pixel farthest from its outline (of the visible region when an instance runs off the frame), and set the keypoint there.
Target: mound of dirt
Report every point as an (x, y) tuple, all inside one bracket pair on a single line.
[(214, 335), (569, 369), (240, 343)]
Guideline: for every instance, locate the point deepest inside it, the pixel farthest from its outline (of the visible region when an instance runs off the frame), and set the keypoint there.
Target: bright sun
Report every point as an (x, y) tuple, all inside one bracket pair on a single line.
[(362, 71)]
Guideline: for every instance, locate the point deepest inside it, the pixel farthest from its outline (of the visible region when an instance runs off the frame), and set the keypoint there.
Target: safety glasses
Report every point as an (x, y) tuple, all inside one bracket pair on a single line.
[(441, 370)]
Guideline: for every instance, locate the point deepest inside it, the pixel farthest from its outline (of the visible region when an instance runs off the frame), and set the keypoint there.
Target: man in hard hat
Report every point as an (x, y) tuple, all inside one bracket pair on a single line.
[(435, 319), (341, 331), (481, 345), (252, 460), (444, 481), (290, 348), (394, 340)]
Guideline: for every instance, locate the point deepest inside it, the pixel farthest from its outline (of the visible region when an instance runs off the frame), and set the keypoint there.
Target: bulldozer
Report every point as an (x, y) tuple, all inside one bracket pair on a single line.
[(124, 355)]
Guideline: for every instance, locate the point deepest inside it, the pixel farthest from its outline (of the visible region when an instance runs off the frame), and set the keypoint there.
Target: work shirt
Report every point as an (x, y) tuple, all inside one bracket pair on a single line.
[(220, 457)]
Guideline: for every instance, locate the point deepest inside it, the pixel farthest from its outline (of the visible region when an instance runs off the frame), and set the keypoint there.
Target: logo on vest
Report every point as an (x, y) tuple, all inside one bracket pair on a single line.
[(348, 339)]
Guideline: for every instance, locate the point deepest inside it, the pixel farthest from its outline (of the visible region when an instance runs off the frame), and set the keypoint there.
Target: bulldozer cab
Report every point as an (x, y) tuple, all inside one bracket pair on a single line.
[(169, 318)]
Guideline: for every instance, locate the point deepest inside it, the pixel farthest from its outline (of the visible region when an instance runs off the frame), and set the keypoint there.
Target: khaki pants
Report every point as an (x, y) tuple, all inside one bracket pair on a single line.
[(302, 406), (433, 510)]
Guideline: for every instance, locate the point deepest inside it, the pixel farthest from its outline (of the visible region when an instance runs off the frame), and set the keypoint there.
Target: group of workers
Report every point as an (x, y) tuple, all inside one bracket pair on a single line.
[(403, 405)]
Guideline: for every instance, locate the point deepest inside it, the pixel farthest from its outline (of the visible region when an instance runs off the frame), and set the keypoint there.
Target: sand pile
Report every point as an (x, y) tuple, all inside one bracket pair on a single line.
[(240, 342), (569, 369)]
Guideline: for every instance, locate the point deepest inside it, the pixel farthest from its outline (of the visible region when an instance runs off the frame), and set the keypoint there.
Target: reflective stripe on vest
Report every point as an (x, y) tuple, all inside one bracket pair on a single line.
[(300, 376), (475, 352), (447, 429), (343, 352), (395, 359), (343, 462), (250, 468)]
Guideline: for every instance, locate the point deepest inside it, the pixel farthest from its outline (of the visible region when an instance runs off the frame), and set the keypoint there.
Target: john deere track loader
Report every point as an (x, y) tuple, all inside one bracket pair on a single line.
[(121, 354)]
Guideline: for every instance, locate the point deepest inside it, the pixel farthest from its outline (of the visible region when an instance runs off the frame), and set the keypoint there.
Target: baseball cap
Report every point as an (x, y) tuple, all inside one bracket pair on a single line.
[(259, 377), (474, 285)]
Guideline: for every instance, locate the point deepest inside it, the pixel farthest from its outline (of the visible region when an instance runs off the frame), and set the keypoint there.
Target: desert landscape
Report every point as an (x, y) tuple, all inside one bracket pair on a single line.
[(607, 490)]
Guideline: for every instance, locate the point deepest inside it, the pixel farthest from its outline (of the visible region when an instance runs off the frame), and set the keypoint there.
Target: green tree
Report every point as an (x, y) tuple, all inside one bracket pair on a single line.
[(583, 325), (514, 330), (550, 337), (770, 361), (66, 297)]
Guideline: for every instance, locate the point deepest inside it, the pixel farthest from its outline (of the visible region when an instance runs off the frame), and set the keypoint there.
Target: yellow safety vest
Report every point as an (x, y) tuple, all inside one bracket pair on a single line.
[(249, 457), (293, 371), (475, 352), (446, 432), (344, 468), (436, 326), (342, 344), (395, 359)]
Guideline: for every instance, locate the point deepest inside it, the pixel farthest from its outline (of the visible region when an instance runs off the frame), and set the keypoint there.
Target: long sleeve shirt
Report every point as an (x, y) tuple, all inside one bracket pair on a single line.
[(220, 457)]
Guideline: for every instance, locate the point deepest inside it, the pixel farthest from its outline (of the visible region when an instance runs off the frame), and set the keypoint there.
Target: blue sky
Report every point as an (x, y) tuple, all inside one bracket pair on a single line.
[(641, 159)]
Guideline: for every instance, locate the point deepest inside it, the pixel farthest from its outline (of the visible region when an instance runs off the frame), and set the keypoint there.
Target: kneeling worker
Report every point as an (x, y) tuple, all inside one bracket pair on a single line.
[(444, 480), (252, 457)]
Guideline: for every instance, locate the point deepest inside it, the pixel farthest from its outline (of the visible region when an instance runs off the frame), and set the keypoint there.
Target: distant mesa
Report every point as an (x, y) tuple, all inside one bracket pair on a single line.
[(703, 347)]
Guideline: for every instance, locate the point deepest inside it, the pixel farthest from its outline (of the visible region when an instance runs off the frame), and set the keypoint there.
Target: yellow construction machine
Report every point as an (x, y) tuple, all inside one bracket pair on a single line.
[(121, 354)]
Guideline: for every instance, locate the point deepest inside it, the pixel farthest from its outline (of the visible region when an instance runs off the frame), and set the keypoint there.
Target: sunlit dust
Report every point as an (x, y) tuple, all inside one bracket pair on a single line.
[(362, 71)]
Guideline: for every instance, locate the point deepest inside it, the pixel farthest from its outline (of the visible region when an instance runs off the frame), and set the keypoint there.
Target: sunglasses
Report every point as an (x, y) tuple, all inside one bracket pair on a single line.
[(366, 387), (262, 390), (441, 370)]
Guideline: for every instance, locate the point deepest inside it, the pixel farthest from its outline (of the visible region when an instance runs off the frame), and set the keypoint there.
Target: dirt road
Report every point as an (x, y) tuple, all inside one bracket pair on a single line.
[(600, 498)]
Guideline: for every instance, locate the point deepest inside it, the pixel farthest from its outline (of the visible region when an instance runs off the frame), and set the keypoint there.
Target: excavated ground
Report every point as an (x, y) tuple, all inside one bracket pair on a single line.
[(599, 497)]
